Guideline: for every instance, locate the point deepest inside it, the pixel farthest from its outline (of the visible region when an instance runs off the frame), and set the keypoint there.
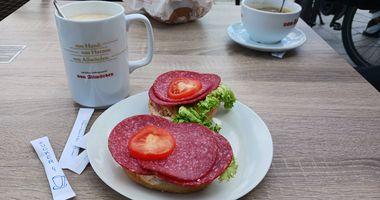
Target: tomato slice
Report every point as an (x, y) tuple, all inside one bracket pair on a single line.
[(151, 143), (183, 87)]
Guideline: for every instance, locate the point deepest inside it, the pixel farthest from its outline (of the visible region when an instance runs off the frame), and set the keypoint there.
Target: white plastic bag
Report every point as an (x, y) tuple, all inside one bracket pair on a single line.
[(173, 11)]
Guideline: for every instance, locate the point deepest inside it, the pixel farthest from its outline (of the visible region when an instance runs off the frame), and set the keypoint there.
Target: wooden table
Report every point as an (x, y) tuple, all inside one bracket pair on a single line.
[(323, 116)]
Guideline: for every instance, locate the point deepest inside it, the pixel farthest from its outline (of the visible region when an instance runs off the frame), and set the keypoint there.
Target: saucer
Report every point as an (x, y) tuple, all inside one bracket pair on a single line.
[(293, 40)]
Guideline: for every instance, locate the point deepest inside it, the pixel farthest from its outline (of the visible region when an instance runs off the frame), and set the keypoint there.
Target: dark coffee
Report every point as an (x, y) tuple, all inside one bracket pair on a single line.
[(268, 8)]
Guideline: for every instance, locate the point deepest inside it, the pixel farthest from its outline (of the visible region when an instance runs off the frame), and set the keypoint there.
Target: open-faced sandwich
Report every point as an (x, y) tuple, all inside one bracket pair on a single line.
[(177, 148), (167, 156), (186, 96)]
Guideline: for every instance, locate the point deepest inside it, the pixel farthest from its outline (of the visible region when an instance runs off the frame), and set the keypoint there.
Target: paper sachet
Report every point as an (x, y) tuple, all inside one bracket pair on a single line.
[(70, 157), (58, 182)]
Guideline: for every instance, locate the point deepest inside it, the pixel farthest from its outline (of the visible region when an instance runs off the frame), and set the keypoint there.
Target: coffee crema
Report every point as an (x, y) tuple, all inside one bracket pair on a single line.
[(268, 8), (90, 16)]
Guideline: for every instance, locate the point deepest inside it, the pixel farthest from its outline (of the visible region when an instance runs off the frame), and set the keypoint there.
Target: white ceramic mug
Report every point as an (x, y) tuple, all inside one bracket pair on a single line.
[(95, 51), (269, 27)]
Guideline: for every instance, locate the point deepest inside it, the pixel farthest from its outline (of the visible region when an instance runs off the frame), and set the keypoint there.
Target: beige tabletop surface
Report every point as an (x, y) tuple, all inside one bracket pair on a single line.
[(324, 118)]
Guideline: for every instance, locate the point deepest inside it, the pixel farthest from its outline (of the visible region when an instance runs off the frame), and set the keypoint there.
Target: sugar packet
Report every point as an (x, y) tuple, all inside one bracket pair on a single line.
[(59, 185)]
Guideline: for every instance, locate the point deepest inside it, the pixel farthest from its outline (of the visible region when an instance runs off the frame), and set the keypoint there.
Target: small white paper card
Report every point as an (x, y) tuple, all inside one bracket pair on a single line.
[(279, 54), (9, 52)]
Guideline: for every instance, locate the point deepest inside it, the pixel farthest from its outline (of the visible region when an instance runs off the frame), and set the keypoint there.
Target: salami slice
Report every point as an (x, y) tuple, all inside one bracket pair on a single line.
[(162, 82), (223, 160), (118, 140), (160, 87), (193, 156), (199, 157), (160, 102)]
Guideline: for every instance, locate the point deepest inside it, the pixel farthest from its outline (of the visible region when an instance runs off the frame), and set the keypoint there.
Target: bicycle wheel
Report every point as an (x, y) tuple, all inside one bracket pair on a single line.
[(364, 51)]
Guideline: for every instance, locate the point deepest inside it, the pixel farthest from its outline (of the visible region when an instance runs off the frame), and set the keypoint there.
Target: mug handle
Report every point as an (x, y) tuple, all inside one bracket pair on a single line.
[(146, 60)]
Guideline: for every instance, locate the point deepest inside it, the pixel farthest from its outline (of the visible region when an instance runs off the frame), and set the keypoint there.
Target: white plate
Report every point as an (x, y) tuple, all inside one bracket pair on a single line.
[(244, 129), (293, 40)]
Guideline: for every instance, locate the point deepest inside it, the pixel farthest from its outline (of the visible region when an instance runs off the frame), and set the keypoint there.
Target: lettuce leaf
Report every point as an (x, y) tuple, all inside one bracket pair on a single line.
[(198, 114), (190, 114), (230, 171)]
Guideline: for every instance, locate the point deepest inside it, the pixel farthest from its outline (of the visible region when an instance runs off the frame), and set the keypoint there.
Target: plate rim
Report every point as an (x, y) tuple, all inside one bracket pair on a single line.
[(239, 195), (263, 48)]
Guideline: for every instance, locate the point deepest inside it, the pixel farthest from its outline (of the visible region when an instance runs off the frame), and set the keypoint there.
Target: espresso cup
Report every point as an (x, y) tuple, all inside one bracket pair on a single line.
[(93, 38), (267, 26)]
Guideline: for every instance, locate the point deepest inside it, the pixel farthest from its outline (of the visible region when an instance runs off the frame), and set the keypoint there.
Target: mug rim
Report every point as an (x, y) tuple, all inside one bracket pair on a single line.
[(299, 8), (122, 10)]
